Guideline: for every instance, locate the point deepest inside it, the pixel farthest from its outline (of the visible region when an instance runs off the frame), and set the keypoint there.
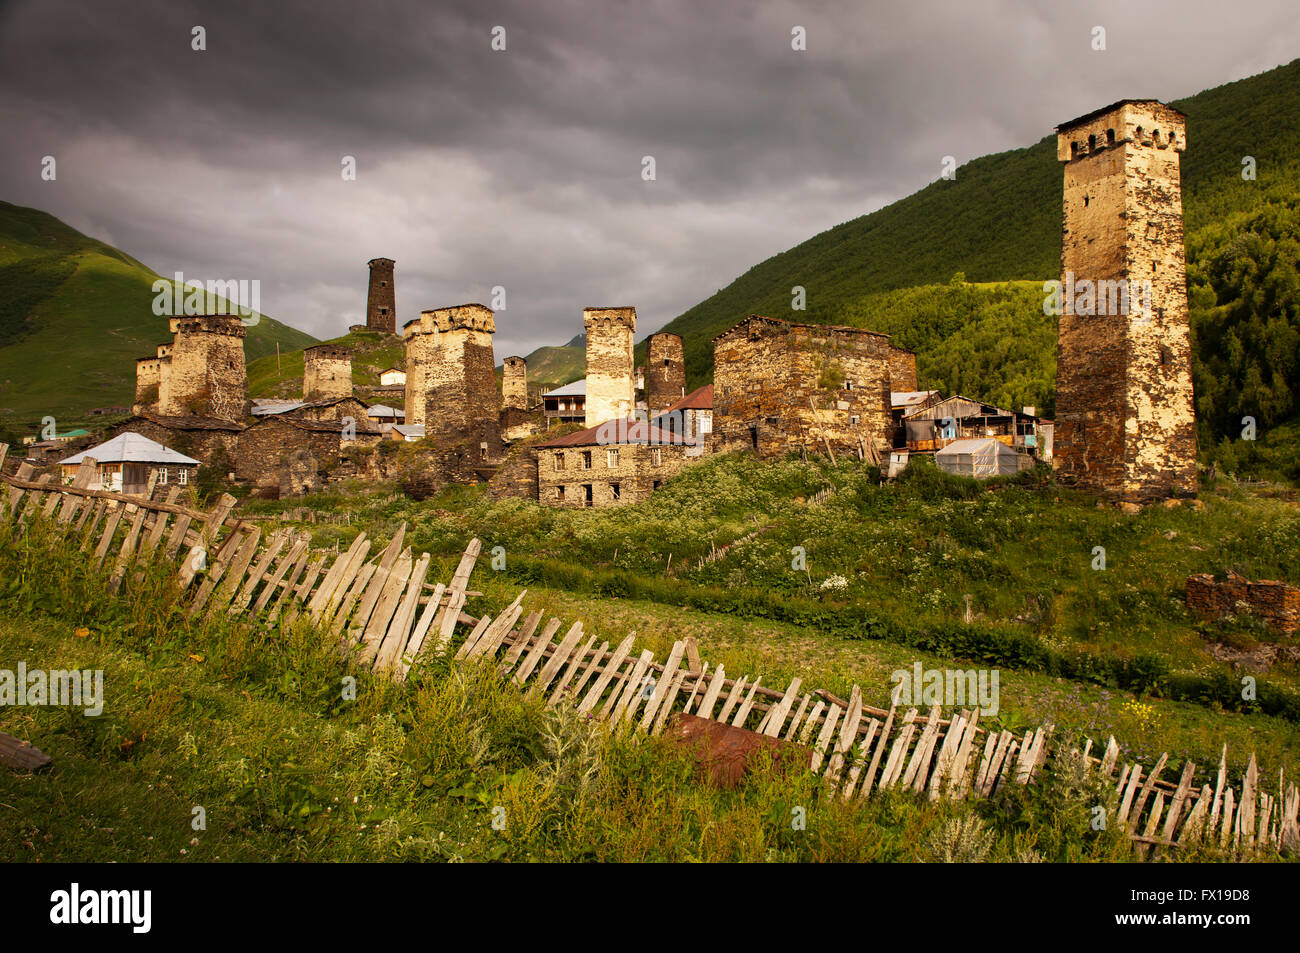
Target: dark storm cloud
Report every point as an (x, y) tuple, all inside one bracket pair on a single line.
[(522, 169)]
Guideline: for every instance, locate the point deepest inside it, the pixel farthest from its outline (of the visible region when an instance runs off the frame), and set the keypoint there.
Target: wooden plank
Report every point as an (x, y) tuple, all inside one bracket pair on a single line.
[(733, 699), (276, 543), (349, 586), (490, 641), (860, 762), (339, 576), (272, 587), (378, 584), (228, 571), (565, 681), (959, 776), (289, 591), (92, 508), (663, 684), (1146, 790), (1225, 836), (211, 526), (127, 551), (1246, 806), (86, 473), (811, 724), (1126, 803), (847, 736), (1176, 803), (947, 756), (160, 520), (924, 748), (798, 716), (776, 716), (371, 632), (535, 653), (632, 686), (394, 641), (592, 698), (661, 716), (714, 690), (824, 739), (557, 660), (590, 670), (875, 758), (416, 643), (88, 539), (698, 680), (1194, 827), (516, 650), (25, 471), (894, 766), (110, 528), (350, 600)]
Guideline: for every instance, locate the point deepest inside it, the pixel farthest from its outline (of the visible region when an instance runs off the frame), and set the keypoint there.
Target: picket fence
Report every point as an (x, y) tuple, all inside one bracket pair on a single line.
[(383, 609)]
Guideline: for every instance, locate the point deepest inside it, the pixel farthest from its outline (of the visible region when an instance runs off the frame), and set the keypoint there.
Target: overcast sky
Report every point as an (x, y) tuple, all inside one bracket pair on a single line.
[(523, 168)]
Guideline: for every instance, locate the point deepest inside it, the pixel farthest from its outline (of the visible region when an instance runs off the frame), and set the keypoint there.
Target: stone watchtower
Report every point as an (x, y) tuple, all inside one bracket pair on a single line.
[(451, 379), (611, 386), (1125, 421), (514, 384), (665, 373), (381, 300), (326, 372), (206, 375)]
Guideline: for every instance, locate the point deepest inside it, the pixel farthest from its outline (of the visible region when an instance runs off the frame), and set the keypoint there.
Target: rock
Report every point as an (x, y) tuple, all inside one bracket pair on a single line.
[(1172, 503), (724, 751), (1170, 534), (1130, 509)]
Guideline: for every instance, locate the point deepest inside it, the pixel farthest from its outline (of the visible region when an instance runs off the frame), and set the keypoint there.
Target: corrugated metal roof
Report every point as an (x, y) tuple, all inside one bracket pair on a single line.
[(906, 398), (383, 410), (410, 430), (576, 389), (131, 447)]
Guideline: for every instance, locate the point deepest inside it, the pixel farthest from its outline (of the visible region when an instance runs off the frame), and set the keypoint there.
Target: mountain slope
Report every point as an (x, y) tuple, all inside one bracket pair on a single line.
[(75, 313), (1000, 218)]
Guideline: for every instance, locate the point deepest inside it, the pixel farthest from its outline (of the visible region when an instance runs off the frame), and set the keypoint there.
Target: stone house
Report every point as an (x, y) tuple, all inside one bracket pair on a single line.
[(619, 462), (780, 387), (392, 377), (691, 416), (200, 437), (273, 446)]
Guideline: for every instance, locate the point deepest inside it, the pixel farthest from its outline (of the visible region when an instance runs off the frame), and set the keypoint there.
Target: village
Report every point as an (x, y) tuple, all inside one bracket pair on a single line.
[(1124, 398)]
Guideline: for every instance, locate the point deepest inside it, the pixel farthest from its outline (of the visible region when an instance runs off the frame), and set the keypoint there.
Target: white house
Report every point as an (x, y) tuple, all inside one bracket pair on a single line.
[(128, 460)]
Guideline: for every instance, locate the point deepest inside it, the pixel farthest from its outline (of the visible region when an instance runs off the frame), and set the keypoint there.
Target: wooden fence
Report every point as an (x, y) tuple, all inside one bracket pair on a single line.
[(383, 609)]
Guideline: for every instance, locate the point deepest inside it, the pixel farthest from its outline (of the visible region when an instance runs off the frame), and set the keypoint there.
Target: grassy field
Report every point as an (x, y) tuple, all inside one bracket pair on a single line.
[(220, 744)]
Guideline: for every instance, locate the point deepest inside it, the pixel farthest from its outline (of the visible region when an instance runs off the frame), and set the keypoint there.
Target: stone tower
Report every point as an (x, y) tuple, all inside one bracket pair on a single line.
[(514, 383), (326, 372), (381, 301), (665, 374), (206, 374), (451, 379), (1125, 421), (611, 387), (151, 377)]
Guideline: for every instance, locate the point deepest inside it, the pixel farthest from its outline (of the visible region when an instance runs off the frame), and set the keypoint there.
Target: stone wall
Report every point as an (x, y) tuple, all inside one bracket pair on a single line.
[(517, 475), (1275, 603), (326, 372), (779, 386), (611, 386), (1125, 420), (198, 437), (665, 374), (266, 448), (147, 378), (563, 473), (514, 383), (902, 369), (206, 375), (381, 299)]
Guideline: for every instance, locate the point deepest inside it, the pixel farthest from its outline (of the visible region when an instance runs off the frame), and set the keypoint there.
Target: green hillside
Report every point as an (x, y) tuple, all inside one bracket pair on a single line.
[(999, 220), (75, 313), (281, 376)]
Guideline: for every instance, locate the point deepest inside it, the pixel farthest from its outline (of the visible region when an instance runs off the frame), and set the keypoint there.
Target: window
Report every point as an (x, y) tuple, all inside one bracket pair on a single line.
[(559, 493), (1110, 137), (657, 456), (848, 385), (616, 488), (855, 420), (586, 461), (611, 457), (185, 477), (559, 463), (658, 483), (586, 491), (1092, 143), (162, 476)]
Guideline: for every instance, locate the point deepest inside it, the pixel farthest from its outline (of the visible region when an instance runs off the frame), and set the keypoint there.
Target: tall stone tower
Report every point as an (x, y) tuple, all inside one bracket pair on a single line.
[(381, 301), (1125, 421), (665, 373), (326, 372), (152, 374), (514, 383), (611, 386), (451, 378), (206, 375)]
